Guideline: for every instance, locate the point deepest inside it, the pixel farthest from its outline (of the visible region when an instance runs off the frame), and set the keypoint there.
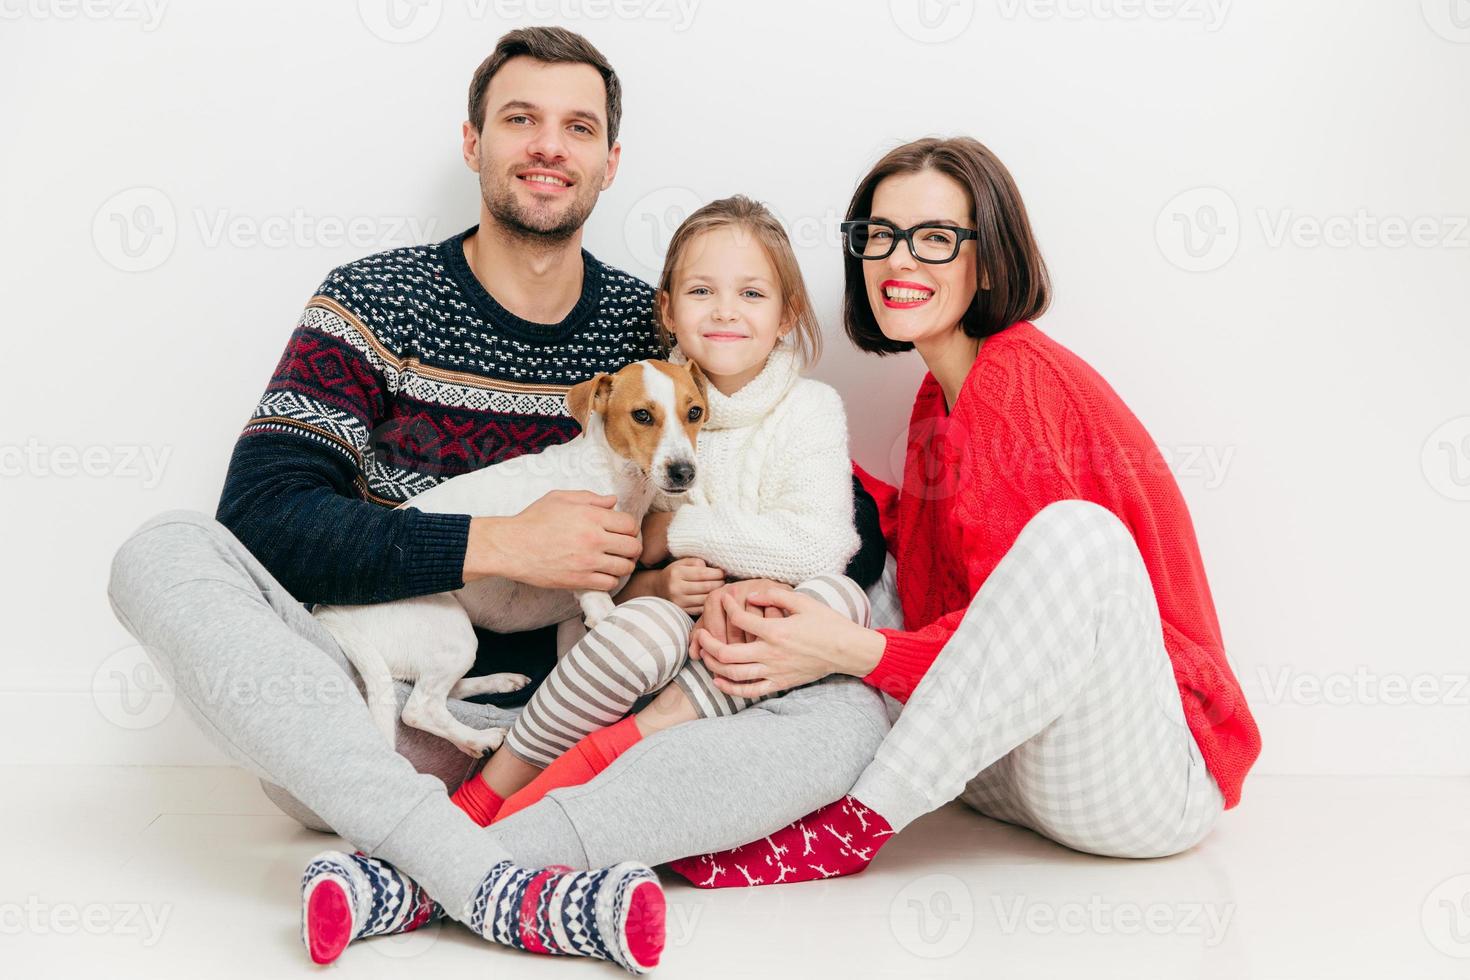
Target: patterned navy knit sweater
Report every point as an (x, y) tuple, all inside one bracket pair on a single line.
[(404, 371)]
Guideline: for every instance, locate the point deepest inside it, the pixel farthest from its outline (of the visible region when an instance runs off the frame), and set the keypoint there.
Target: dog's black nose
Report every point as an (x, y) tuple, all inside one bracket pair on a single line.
[(680, 474)]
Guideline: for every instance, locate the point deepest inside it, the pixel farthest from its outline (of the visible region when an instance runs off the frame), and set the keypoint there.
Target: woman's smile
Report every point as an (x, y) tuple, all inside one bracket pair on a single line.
[(901, 294)]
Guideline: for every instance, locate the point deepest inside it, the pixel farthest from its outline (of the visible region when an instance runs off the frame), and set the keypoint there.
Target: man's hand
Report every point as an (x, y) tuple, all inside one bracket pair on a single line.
[(569, 539), (716, 622), (656, 537), (688, 582)]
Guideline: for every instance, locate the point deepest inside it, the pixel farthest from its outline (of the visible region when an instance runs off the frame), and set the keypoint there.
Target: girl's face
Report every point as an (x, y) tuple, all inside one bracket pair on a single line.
[(725, 306), (917, 301)]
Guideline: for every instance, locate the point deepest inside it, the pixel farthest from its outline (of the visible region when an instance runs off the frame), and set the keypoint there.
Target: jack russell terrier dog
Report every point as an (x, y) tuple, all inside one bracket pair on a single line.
[(639, 428)]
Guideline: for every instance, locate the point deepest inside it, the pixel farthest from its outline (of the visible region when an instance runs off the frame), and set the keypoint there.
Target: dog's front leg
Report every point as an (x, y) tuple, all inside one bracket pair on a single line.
[(595, 606)]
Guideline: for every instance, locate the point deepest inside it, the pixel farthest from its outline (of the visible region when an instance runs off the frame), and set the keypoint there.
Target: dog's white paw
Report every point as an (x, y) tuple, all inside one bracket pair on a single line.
[(485, 741), (505, 683), (488, 684), (591, 620), (596, 606)]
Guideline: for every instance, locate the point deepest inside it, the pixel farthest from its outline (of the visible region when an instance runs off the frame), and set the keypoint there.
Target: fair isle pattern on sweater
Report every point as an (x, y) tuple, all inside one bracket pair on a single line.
[(404, 364)]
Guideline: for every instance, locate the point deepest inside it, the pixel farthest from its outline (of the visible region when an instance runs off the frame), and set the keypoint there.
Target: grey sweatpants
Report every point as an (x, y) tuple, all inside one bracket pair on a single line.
[(272, 689)]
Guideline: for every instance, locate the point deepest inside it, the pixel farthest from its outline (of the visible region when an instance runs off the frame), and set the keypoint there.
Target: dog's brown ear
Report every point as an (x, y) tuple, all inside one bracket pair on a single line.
[(700, 381), (588, 396)]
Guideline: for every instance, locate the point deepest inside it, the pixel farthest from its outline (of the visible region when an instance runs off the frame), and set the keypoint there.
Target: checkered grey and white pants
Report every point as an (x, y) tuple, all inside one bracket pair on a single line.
[(1053, 706)]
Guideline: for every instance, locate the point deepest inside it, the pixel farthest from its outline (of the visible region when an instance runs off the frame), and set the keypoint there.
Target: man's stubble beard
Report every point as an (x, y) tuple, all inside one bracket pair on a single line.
[(525, 225)]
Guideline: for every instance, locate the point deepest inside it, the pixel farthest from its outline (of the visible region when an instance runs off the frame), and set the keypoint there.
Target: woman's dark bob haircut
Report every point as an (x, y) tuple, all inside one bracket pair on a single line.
[(1011, 281)]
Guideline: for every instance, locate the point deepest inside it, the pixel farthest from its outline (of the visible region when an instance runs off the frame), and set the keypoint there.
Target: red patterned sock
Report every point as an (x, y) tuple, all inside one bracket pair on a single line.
[(839, 839), (577, 765), (476, 798)]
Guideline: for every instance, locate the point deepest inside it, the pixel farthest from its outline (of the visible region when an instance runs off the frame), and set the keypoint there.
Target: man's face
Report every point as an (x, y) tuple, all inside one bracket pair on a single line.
[(542, 153)]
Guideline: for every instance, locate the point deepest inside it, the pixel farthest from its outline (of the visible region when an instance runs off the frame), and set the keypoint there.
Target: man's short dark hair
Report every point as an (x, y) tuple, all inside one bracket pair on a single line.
[(553, 45)]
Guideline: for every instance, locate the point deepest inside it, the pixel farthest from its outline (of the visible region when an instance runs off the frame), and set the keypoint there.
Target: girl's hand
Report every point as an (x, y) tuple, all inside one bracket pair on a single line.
[(655, 537), (687, 582), (713, 617), (806, 644)]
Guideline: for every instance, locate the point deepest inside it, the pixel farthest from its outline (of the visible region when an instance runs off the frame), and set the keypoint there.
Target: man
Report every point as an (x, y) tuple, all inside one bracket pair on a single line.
[(406, 368)]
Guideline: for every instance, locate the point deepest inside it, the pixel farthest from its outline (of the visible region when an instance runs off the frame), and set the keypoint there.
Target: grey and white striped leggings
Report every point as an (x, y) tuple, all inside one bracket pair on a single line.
[(636, 651)]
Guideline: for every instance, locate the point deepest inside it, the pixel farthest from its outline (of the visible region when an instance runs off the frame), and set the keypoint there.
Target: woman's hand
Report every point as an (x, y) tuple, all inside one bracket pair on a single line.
[(655, 537), (713, 618), (808, 642), (688, 582)]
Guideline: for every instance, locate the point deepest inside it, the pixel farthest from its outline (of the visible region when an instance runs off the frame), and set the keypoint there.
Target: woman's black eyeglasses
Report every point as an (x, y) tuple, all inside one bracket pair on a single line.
[(928, 242)]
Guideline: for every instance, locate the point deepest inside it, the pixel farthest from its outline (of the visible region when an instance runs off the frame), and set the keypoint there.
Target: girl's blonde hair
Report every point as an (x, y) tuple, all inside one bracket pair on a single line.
[(742, 213)]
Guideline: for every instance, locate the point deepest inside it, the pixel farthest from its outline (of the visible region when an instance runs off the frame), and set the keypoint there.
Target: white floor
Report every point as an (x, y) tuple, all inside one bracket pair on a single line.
[(123, 872)]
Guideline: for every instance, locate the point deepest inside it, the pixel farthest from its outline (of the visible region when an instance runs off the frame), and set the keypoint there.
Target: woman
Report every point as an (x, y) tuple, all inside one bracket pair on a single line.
[(1058, 655)]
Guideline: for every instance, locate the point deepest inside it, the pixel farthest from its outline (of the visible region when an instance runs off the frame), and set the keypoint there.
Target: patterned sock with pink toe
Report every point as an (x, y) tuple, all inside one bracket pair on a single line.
[(614, 914)]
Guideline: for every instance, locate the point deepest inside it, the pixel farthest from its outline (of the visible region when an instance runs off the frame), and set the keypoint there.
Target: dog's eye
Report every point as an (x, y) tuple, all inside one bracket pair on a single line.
[(642, 416), (695, 413)]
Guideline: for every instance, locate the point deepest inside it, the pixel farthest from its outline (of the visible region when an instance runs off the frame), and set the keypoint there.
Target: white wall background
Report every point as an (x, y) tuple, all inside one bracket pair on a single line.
[(1255, 214)]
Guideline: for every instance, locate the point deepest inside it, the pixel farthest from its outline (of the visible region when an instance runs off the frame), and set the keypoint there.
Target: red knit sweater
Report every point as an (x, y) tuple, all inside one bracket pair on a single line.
[(1034, 424)]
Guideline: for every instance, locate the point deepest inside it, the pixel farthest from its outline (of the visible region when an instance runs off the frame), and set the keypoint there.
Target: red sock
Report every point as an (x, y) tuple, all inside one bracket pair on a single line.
[(839, 839), (476, 798), (577, 764)]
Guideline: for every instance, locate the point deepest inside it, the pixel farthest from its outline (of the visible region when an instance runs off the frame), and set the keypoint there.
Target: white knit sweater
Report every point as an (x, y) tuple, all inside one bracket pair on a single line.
[(773, 494)]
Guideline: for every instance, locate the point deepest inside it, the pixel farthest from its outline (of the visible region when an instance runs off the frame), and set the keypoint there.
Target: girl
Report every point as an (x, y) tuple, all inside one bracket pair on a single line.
[(773, 501)]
